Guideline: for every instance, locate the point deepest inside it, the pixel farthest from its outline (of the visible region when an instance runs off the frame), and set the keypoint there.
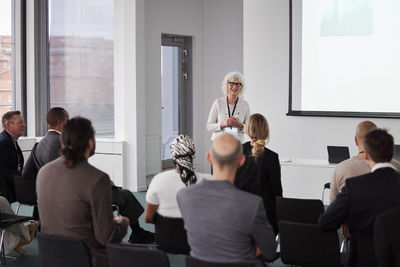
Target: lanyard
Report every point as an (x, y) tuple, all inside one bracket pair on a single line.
[(229, 110)]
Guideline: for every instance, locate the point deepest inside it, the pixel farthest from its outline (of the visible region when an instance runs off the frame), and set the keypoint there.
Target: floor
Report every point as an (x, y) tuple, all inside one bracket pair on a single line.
[(32, 259)]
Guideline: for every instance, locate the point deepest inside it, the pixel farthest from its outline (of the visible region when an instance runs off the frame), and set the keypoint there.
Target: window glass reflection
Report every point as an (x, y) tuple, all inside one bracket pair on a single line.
[(82, 61)]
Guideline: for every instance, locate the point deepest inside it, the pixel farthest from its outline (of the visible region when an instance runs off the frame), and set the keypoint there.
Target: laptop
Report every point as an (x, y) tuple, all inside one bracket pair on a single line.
[(396, 152), (337, 154)]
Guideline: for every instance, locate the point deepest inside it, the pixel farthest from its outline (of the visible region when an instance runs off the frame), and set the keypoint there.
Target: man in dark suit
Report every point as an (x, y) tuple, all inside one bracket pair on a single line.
[(387, 238), (11, 158), (48, 149), (223, 223), (364, 197)]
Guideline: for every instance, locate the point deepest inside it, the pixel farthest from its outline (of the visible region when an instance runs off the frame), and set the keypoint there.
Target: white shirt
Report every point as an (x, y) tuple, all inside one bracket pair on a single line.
[(219, 114), (163, 189), (382, 165)]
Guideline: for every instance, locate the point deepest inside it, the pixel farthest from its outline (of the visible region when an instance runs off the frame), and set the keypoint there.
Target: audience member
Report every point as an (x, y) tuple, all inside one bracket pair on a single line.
[(17, 235), (223, 223), (48, 149), (364, 197), (261, 172), (356, 165), (11, 157), (161, 194), (387, 238), (74, 198)]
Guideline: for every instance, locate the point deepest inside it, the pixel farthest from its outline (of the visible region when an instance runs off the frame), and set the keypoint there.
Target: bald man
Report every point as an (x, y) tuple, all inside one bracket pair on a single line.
[(356, 165), (223, 223)]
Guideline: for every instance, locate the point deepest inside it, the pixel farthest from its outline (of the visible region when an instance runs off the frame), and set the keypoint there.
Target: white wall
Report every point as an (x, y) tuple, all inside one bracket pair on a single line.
[(266, 66)]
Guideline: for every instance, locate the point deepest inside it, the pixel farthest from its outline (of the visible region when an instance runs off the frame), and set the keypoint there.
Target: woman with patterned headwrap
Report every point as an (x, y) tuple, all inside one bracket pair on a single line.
[(161, 195), (261, 173)]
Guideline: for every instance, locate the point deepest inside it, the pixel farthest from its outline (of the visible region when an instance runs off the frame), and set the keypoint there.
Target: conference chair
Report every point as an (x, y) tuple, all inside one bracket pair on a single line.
[(304, 244), (62, 252), (129, 255), (7, 220), (326, 186), (298, 210), (387, 238), (193, 262), (25, 191), (171, 235), (366, 250)]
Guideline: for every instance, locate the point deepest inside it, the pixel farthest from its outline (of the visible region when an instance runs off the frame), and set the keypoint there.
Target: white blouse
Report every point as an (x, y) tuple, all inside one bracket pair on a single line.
[(163, 189), (219, 114)]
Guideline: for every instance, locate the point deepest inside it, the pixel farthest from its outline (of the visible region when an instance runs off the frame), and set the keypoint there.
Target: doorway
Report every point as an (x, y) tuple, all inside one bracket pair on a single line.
[(176, 91)]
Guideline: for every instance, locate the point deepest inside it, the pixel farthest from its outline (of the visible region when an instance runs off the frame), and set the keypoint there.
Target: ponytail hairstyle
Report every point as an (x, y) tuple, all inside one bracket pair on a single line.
[(182, 152), (258, 130), (75, 138)]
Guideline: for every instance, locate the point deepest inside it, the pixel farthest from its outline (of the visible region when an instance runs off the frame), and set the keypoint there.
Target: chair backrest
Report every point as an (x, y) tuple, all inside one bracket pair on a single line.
[(387, 238), (62, 252), (193, 262), (305, 244), (126, 255), (171, 235), (366, 250), (298, 210), (25, 190)]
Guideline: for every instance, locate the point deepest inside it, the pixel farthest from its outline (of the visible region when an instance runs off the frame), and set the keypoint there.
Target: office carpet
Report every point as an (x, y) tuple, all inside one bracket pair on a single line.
[(31, 257)]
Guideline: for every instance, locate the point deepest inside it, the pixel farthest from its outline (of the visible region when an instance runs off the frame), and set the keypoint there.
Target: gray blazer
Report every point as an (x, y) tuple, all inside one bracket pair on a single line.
[(223, 223), (76, 203), (48, 149)]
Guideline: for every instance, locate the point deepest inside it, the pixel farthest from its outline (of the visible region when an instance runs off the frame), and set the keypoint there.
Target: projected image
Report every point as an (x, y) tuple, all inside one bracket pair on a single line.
[(347, 18), (346, 56)]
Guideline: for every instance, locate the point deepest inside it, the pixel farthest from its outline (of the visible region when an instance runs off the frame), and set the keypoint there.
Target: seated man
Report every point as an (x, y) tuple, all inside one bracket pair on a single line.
[(48, 149), (353, 166), (11, 158), (364, 197), (223, 223), (74, 198)]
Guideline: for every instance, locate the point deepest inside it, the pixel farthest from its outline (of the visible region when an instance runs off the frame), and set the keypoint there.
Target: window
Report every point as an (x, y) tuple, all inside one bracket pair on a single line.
[(81, 60), (6, 57)]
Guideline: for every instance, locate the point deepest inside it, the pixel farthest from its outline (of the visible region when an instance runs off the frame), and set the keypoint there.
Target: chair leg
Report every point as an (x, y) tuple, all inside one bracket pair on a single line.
[(17, 209), (3, 254)]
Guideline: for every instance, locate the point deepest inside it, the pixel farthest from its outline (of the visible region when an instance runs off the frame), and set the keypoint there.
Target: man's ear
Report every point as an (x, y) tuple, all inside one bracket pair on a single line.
[(242, 159), (208, 157), (367, 157), (355, 139)]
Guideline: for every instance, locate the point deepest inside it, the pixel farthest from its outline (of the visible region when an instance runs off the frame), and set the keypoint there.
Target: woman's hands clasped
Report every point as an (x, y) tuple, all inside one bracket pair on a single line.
[(232, 122)]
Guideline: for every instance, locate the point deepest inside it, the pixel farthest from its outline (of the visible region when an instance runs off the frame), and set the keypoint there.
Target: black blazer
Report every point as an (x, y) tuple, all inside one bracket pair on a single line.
[(261, 176), (387, 238), (9, 165), (362, 199)]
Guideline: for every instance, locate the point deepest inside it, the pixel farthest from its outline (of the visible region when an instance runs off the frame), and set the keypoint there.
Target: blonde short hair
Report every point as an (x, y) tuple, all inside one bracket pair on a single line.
[(233, 75), (257, 129)]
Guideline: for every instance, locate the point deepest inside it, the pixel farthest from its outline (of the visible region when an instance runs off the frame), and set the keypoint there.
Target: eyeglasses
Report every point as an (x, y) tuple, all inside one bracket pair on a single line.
[(232, 84)]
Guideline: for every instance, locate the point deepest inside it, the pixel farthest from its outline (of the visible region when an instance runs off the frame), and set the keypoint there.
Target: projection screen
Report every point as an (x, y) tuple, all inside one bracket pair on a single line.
[(344, 58)]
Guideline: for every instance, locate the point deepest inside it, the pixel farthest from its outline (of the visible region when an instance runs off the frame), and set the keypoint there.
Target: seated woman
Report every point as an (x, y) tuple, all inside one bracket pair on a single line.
[(261, 173), (161, 195), (17, 235)]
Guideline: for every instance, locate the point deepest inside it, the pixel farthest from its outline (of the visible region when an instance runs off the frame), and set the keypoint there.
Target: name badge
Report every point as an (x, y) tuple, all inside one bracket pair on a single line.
[(232, 131)]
